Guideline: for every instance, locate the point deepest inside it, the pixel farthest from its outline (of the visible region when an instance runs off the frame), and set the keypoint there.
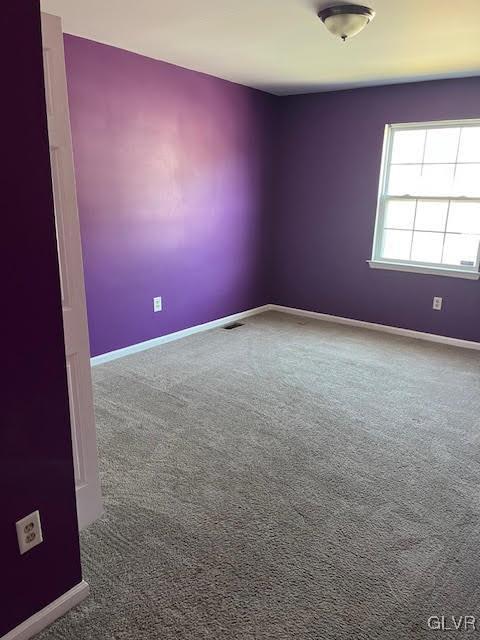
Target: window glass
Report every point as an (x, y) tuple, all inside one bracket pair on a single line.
[(427, 247), (408, 146), (431, 215), (469, 150), (400, 214), (460, 250), (464, 217), (396, 244), (430, 208), (442, 145)]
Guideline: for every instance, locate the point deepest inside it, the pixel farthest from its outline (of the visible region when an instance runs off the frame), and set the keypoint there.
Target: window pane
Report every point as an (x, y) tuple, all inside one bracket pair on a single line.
[(439, 169), (408, 146), (431, 215), (400, 214), (442, 145), (404, 179), (427, 247), (396, 244), (436, 180), (467, 180), (464, 217), (460, 250), (469, 145)]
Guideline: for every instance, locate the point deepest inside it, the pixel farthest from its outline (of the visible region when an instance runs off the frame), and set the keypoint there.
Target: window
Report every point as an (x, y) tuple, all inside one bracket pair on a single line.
[(428, 217)]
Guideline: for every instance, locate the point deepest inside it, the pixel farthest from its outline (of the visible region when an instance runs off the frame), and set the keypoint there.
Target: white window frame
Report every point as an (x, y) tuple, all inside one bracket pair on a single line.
[(376, 262)]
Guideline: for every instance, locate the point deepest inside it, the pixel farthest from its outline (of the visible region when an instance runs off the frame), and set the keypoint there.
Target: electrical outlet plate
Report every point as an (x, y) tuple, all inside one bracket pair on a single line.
[(157, 304), (29, 532), (437, 303)]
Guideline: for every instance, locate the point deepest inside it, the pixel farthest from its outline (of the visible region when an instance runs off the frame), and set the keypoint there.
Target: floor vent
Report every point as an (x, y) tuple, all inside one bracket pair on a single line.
[(234, 325)]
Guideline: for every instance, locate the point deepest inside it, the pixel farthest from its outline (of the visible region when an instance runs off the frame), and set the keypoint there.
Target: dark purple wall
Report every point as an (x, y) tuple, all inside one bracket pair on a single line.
[(36, 469), (171, 174), (329, 152)]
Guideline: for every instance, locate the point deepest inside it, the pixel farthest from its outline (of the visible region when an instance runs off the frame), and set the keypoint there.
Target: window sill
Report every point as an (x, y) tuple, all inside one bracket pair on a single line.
[(415, 268)]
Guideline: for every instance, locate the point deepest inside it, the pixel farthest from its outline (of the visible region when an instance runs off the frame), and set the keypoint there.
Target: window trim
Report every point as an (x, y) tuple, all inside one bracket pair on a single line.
[(456, 271), (414, 267)]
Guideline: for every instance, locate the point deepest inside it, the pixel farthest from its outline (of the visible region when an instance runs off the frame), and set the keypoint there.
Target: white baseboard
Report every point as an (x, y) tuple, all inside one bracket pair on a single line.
[(49, 614), (407, 333), (149, 344)]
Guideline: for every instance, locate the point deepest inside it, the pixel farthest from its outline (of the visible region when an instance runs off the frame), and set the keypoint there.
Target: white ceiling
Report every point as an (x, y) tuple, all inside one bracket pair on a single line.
[(280, 45)]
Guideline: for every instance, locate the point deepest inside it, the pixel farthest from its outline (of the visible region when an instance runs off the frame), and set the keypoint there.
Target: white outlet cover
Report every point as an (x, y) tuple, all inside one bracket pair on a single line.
[(437, 303), (29, 532), (157, 304)]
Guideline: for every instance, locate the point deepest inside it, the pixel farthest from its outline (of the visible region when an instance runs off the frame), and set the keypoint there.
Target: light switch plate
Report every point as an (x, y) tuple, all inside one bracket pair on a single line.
[(157, 304)]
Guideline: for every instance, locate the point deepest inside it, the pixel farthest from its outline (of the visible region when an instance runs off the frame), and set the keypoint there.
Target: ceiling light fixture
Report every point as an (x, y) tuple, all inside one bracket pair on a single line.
[(346, 20)]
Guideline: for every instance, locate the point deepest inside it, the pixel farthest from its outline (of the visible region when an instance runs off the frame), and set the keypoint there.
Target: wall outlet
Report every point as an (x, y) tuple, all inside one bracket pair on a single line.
[(157, 304), (437, 303), (29, 532)]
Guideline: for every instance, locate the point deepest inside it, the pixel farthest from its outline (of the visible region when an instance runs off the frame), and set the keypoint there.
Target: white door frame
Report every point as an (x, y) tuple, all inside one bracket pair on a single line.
[(77, 347)]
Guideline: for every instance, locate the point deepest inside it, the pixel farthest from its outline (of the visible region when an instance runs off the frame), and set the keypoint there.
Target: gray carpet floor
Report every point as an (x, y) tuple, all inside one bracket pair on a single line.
[(289, 479)]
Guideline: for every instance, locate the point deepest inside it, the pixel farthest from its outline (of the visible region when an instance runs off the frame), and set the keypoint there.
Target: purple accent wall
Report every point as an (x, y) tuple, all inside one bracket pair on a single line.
[(171, 168), (328, 165), (36, 469)]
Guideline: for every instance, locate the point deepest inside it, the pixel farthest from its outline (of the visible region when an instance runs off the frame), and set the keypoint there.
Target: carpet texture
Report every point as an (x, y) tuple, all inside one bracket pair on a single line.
[(286, 480)]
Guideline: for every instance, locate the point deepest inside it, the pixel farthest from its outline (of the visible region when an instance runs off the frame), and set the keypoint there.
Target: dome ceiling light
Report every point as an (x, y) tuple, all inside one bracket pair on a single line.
[(346, 20)]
